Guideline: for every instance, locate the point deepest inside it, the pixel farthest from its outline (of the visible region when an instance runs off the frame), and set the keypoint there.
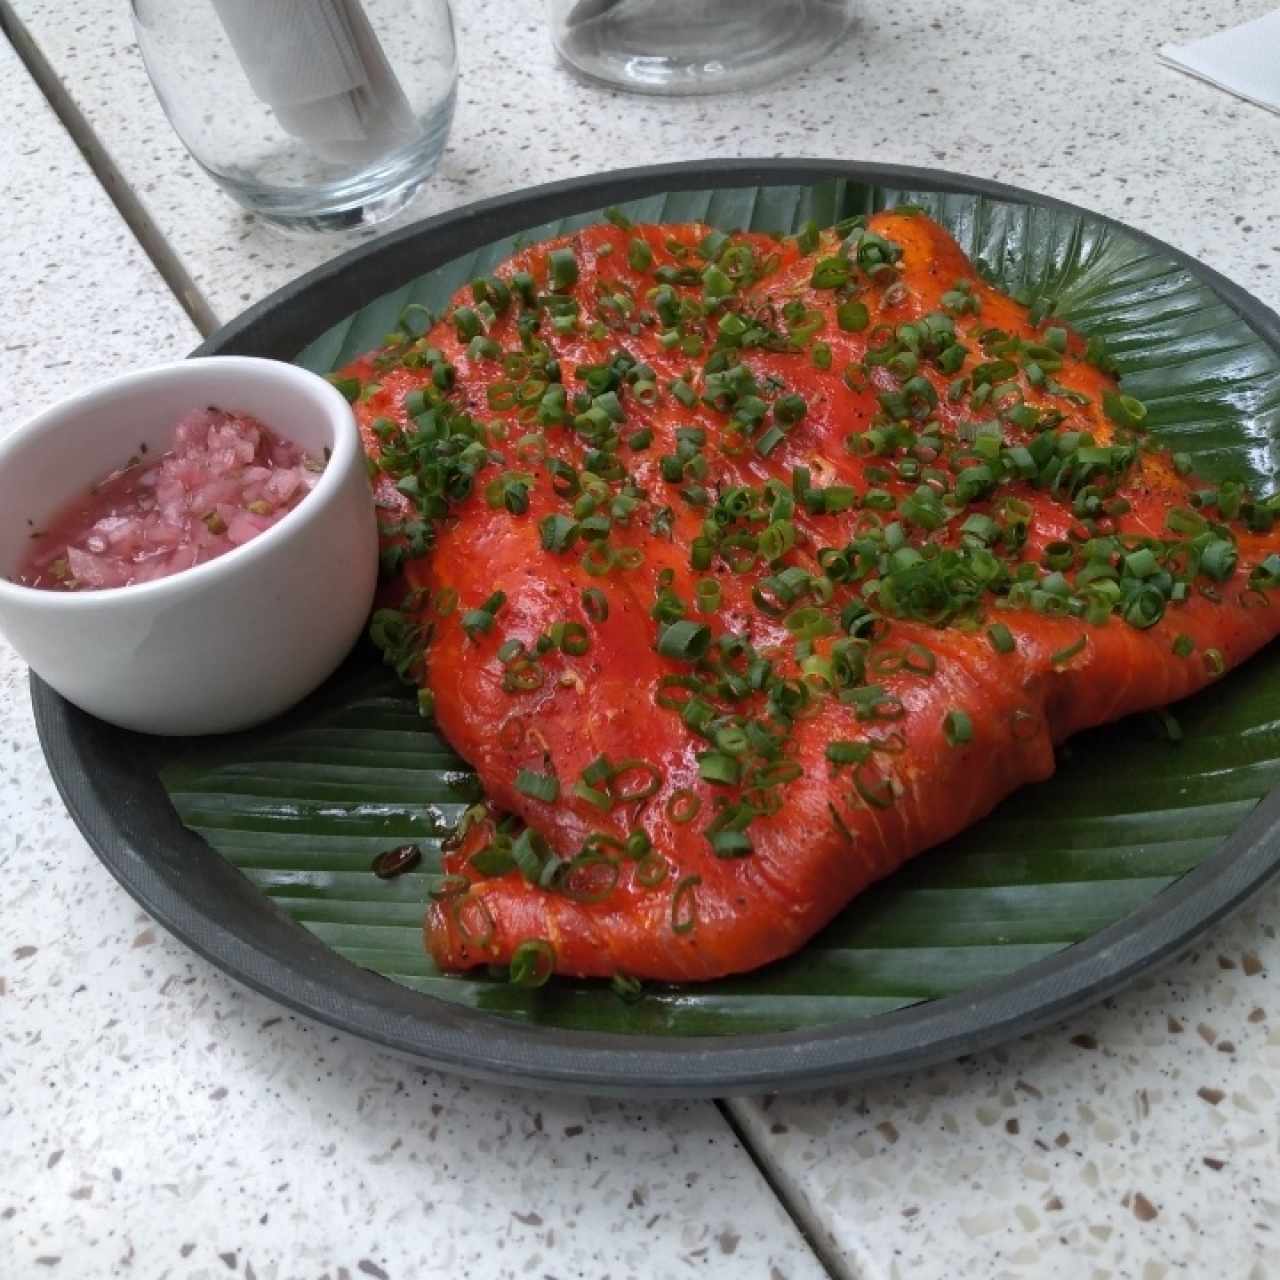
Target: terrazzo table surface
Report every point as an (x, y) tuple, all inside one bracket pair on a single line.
[(188, 1128)]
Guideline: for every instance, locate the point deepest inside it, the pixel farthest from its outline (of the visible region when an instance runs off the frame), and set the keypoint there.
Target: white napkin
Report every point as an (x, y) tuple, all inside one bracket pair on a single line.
[(319, 65), (1243, 60)]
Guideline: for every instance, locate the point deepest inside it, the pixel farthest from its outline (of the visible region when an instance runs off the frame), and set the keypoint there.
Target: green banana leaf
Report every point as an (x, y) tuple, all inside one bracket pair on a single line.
[(302, 806)]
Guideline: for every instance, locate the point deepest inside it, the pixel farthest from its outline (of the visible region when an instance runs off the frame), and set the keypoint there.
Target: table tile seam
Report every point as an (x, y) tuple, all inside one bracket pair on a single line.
[(790, 1197)]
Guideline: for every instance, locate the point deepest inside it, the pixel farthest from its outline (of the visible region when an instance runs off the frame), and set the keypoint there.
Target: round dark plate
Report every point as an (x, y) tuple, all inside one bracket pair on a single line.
[(108, 779)]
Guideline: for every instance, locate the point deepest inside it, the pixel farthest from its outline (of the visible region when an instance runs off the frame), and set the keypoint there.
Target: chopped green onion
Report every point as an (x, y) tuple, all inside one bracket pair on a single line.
[(589, 878), (595, 604), (1124, 411), (531, 855), (1266, 574), (875, 791), (475, 622), (624, 795), (853, 317), (639, 255), (652, 870), (638, 844), (1141, 563), (557, 532), (572, 638), (467, 323), (830, 273), (593, 795), (712, 245), (717, 767), (532, 963), (731, 844), (684, 393), (1218, 559), (562, 268), (1001, 638), (789, 409), (1183, 520), (920, 659), (684, 905), (1144, 608), (682, 806), (541, 786), (598, 771), (1063, 656), (348, 388), (957, 727), (707, 595), (771, 439), (598, 559), (522, 676), (841, 752), (716, 285), (493, 860), (684, 639)]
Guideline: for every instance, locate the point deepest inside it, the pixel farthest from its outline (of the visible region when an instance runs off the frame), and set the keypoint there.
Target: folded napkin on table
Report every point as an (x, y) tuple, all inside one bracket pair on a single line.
[(1243, 60)]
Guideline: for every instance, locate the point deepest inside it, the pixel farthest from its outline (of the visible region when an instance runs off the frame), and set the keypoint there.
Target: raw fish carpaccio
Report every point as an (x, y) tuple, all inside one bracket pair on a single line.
[(742, 568)]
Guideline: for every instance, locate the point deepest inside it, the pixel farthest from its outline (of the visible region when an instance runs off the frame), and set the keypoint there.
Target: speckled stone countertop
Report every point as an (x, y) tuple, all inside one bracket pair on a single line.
[(160, 1121)]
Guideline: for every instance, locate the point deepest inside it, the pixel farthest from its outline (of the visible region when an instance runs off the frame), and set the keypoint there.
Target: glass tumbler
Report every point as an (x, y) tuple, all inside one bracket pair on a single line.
[(694, 46), (314, 114)]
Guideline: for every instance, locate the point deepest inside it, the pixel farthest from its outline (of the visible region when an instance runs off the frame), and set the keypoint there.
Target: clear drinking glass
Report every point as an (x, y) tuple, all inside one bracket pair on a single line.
[(314, 114), (694, 46)]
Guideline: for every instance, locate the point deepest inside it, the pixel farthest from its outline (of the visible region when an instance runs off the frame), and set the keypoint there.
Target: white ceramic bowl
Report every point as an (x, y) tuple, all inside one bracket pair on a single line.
[(227, 643)]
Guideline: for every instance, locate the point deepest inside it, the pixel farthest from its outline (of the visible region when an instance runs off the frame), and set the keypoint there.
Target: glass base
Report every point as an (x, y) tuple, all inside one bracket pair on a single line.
[(697, 46), (277, 191), (354, 218)]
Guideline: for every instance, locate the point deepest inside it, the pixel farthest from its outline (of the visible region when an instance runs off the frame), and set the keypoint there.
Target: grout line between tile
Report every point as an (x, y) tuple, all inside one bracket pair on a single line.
[(104, 169), (791, 1199)]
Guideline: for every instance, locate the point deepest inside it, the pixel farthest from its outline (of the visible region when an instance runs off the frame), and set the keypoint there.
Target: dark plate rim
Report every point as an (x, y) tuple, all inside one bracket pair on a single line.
[(257, 944)]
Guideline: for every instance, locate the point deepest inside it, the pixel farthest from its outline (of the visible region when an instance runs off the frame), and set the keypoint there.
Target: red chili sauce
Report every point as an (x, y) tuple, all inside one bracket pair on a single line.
[(226, 480)]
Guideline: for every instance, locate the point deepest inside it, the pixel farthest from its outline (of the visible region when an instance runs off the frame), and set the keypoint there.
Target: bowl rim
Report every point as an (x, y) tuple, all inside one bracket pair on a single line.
[(345, 451)]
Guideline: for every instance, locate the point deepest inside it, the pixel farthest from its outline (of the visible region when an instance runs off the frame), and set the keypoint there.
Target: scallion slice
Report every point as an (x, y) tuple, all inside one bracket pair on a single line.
[(731, 844), (557, 532), (1001, 638), (957, 727), (682, 806), (1064, 655), (562, 269), (532, 963), (540, 786), (639, 255), (684, 905), (685, 640), (842, 752), (719, 768)]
